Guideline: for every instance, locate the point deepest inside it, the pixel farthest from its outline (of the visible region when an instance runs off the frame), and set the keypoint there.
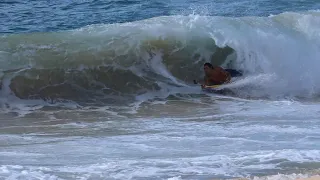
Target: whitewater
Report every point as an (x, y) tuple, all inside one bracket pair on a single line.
[(117, 100)]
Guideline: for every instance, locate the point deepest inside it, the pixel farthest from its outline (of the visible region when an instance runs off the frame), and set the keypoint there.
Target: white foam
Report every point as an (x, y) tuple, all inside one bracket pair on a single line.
[(265, 45), (20, 172)]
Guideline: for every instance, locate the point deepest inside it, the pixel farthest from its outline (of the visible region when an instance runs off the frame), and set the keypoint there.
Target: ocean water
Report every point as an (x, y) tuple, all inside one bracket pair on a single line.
[(104, 89)]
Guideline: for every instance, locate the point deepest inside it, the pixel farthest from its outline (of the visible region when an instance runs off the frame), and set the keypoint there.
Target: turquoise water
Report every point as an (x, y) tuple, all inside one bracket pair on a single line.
[(104, 89)]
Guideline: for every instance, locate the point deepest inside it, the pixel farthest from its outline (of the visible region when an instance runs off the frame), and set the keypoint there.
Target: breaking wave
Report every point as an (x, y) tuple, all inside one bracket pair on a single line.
[(116, 63)]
